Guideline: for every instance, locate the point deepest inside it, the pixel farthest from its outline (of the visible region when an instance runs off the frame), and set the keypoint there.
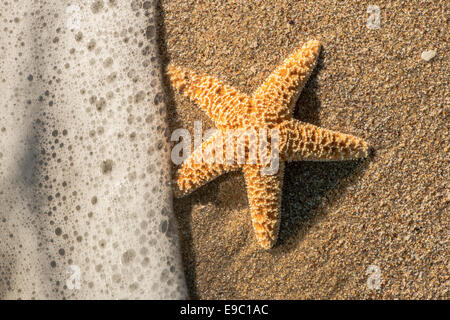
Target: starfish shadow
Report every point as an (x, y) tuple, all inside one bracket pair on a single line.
[(307, 184), (183, 209), (308, 105)]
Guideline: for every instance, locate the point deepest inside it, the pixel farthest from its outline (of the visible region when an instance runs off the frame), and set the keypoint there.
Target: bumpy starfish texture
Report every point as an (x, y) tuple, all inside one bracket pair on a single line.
[(270, 107)]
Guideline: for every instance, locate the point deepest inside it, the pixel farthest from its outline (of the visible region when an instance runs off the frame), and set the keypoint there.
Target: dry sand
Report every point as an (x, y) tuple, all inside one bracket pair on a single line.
[(338, 219)]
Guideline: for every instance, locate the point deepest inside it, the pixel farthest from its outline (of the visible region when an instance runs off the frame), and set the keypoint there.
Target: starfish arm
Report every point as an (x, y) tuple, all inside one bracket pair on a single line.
[(282, 88), (309, 142), (225, 105), (205, 164), (264, 197)]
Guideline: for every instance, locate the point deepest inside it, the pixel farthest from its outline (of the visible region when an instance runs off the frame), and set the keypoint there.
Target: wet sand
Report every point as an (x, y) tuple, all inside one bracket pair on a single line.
[(343, 223)]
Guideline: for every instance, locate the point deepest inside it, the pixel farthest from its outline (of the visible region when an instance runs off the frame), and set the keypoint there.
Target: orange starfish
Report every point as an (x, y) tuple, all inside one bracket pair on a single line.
[(270, 108)]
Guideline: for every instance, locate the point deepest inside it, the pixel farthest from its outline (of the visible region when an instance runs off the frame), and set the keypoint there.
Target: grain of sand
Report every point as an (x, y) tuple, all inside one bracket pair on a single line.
[(338, 219)]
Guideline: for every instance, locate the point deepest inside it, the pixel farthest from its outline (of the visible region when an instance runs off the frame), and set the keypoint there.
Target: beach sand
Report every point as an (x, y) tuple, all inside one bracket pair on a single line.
[(369, 229)]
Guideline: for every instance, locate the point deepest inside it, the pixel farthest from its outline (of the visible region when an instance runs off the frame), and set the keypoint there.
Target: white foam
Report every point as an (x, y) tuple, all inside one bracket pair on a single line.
[(85, 204)]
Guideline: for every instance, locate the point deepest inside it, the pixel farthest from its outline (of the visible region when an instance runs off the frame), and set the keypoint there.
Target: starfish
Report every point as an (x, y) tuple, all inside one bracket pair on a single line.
[(269, 107)]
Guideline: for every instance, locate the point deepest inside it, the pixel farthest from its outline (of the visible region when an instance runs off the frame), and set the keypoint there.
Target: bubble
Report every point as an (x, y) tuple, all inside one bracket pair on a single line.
[(135, 5), (150, 32), (134, 286), (139, 96), (112, 3), (164, 226), (128, 256), (79, 36), (100, 105), (108, 62), (144, 225), (147, 5), (143, 251), (97, 6), (158, 98), (116, 278), (145, 262), (106, 166), (91, 45), (112, 77)]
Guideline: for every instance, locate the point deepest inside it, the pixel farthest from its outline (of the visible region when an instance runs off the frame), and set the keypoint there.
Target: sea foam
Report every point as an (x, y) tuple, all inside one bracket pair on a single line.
[(85, 198)]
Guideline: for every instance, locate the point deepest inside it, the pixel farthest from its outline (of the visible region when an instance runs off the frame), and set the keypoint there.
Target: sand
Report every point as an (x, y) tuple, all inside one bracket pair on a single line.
[(373, 229)]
